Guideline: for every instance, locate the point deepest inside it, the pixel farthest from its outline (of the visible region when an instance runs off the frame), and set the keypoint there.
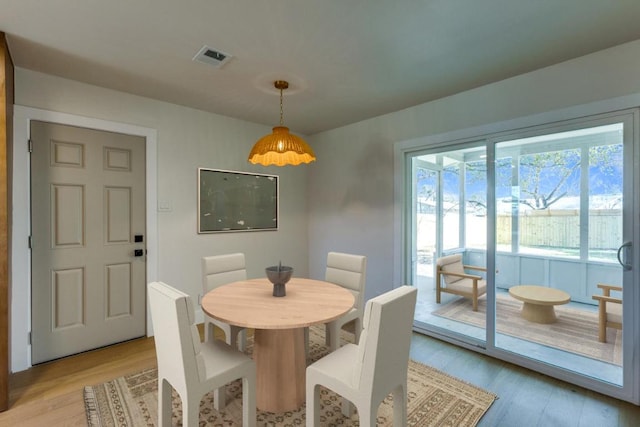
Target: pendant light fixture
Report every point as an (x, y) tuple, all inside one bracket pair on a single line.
[(281, 147)]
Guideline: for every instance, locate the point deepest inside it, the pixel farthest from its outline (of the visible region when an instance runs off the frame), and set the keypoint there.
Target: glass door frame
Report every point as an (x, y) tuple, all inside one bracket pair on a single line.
[(630, 389), (472, 147), (627, 118)]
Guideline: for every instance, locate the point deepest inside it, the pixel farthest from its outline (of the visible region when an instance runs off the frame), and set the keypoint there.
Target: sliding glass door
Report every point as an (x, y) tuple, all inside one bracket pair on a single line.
[(449, 214), (559, 224), (521, 244)]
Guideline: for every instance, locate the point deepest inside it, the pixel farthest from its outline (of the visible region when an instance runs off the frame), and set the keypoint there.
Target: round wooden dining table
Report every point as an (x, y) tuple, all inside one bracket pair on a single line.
[(278, 323)]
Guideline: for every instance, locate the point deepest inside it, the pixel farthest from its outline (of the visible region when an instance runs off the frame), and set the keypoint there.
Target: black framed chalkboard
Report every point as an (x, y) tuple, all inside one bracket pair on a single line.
[(236, 201)]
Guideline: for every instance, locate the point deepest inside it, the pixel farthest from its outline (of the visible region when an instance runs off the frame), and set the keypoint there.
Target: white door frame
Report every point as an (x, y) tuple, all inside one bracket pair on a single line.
[(20, 273)]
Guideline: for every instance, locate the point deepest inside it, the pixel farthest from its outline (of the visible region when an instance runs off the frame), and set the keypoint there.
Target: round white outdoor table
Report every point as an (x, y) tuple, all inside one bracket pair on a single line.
[(278, 322), (539, 302)]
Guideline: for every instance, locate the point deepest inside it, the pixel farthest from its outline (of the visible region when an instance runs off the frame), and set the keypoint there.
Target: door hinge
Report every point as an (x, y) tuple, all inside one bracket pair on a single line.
[(30, 145), (30, 241), (29, 338)]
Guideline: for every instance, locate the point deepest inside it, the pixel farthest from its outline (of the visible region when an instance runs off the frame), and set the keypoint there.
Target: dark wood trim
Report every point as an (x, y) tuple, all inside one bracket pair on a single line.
[(6, 135)]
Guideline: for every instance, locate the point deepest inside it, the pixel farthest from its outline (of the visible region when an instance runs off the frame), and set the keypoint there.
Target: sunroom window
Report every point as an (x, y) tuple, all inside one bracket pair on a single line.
[(560, 195)]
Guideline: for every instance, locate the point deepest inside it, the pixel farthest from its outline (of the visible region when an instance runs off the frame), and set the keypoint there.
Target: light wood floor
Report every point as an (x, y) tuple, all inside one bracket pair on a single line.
[(51, 394)]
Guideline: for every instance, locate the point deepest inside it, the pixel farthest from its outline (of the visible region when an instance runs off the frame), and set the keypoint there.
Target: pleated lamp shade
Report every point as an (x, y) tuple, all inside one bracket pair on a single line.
[(281, 148)]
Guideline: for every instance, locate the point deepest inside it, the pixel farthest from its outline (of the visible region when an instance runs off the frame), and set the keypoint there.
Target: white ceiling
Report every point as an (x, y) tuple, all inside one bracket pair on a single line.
[(346, 60)]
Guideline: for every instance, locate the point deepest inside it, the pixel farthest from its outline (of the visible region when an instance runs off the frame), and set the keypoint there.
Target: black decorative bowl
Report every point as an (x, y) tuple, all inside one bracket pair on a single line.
[(279, 276)]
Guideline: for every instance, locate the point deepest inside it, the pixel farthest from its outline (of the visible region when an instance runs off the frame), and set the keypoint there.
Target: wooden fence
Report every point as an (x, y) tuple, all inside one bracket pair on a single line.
[(561, 228)]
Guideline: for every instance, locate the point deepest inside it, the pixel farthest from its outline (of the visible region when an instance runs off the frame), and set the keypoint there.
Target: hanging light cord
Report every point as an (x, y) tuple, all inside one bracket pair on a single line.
[(282, 85), (281, 114)]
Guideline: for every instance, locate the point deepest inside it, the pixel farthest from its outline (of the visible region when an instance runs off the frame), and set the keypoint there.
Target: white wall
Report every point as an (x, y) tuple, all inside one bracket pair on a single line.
[(186, 139), (352, 208)]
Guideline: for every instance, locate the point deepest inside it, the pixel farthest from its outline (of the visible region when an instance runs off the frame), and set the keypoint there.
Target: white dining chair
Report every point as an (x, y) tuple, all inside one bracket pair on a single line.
[(348, 271), (365, 373), (194, 368), (216, 271)]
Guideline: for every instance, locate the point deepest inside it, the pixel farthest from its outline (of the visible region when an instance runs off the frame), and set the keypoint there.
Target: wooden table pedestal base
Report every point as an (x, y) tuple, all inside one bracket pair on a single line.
[(281, 367), (539, 313)]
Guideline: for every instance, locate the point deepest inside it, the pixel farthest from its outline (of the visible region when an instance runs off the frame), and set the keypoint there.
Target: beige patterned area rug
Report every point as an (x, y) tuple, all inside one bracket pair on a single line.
[(575, 331), (434, 399)]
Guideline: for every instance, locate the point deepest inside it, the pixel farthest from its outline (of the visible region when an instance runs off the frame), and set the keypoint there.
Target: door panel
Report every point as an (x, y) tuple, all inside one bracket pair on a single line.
[(449, 199), (117, 215), (562, 201), (119, 288), (67, 304), (67, 216), (88, 202)]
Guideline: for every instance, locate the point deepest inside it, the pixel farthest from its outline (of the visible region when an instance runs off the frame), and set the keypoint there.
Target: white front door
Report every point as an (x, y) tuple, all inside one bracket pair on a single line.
[(88, 239)]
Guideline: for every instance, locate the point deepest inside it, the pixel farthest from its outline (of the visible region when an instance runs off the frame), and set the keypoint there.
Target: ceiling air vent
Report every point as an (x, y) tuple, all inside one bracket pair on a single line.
[(217, 58)]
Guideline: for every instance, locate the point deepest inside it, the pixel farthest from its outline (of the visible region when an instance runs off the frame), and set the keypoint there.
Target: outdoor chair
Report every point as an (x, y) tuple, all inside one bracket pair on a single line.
[(194, 368), (609, 310), (365, 373), (451, 277), (216, 271)]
